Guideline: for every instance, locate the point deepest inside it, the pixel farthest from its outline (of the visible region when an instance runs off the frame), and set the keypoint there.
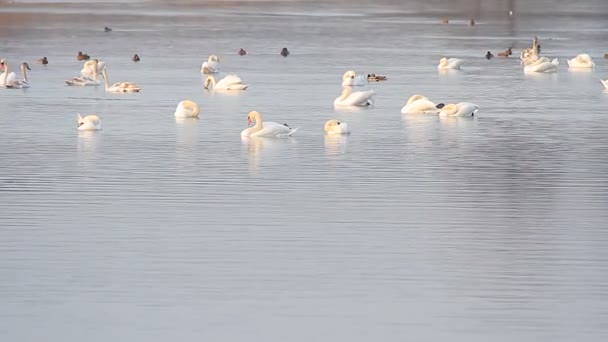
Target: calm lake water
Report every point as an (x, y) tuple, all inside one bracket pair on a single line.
[(492, 228)]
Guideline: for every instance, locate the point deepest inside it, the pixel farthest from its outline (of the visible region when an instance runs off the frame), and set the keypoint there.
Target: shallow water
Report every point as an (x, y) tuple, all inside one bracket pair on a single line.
[(416, 227)]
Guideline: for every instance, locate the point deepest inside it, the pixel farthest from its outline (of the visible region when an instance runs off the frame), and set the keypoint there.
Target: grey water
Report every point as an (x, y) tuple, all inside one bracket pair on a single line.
[(421, 228)]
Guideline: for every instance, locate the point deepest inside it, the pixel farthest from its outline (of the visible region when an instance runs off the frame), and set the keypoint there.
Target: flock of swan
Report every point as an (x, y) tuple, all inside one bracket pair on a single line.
[(417, 104)]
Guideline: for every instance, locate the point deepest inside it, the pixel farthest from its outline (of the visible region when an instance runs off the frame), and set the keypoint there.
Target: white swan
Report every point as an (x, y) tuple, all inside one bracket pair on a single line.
[(581, 61), (187, 109), (336, 127), (230, 82), (90, 67), (460, 109), (211, 66), (450, 63), (358, 98), (10, 80), (418, 104), (530, 55), (543, 64), (86, 80), (89, 123), (351, 79), (266, 129), (119, 87), (605, 83)]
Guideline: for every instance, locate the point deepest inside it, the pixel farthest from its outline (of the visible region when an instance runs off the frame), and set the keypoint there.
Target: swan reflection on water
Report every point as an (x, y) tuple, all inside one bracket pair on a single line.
[(336, 144), (264, 148)]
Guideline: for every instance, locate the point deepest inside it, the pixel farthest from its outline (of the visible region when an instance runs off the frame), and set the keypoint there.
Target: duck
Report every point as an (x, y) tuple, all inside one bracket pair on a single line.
[(242, 52), (211, 66), (85, 80), (351, 79), (419, 104), (375, 78), (90, 67), (508, 52), (445, 20), (284, 52), (472, 22), (43, 60), (606, 56), (581, 61), (10, 80), (358, 98), (542, 64), (489, 55), (230, 82), (187, 109), (459, 109), (82, 56), (88, 123), (336, 127), (605, 83), (119, 87), (107, 29), (136, 58), (449, 63), (266, 129)]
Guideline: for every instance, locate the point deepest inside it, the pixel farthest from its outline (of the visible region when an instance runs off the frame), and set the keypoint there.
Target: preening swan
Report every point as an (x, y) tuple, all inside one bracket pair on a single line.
[(605, 83), (211, 66), (89, 123), (85, 80), (418, 104), (88, 67), (10, 80), (230, 82), (358, 98), (460, 109), (266, 129), (530, 55), (119, 87), (581, 61), (187, 109), (351, 79), (336, 127), (450, 63), (543, 64)]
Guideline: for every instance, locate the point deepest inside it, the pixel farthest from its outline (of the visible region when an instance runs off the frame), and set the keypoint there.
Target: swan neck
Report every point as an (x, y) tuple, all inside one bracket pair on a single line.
[(210, 81), (5, 75), (105, 79), (24, 73)]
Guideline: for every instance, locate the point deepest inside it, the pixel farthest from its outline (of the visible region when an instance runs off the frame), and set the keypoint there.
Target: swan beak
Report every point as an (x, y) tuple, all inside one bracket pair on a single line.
[(248, 121), (28, 67)]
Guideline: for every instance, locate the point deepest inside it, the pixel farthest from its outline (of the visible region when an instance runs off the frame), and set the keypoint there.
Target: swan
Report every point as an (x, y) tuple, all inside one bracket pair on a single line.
[(336, 127), (10, 80), (450, 63), (351, 79), (88, 67), (89, 123), (230, 82), (85, 80), (460, 109), (187, 109), (211, 66), (530, 55), (418, 104), (605, 83), (581, 61), (358, 98), (543, 64), (266, 129), (119, 87)]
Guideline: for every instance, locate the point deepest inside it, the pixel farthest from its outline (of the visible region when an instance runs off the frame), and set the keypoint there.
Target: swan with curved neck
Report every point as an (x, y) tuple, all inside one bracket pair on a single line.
[(336, 127), (351, 79), (581, 61), (89, 123), (542, 64), (187, 109), (230, 82), (85, 80), (10, 80), (358, 98), (119, 87), (266, 129), (450, 63), (91, 67), (211, 66), (459, 109), (418, 104)]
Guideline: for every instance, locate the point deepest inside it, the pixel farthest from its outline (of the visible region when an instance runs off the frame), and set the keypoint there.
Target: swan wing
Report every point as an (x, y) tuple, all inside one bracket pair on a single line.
[(360, 98), (455, 63), (467, 109), (231, 82), (273, 129), (420, 106)]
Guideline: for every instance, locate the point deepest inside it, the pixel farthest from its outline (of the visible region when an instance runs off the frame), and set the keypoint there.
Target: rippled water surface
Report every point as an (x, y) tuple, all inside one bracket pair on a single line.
[(491, 228)]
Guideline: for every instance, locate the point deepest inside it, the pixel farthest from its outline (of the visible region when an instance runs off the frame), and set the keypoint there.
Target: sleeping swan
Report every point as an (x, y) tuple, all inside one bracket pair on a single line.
[(266, 129), (89, 123), (358, 98), (187, 109), (418, 104), (351, 79), (581, 61), (336, 127), (460, 109), (450, 63)]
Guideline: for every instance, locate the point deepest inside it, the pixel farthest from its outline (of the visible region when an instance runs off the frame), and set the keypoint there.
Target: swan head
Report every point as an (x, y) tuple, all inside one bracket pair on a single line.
[(336, 127), (253, 116), (443, 60), (214, 58), (349, 74), (2, 64), (25, 66)]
